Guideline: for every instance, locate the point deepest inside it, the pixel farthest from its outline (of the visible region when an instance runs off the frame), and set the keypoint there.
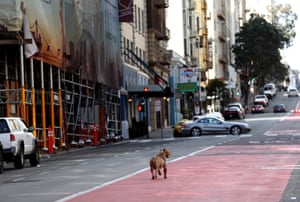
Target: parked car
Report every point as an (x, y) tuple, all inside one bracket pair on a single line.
[(279, 108), (293, 92), (234, 110), (177, 127), (257, 108), (211, 114), (1, 159), (262, 100), (18, 142), (213, 125)]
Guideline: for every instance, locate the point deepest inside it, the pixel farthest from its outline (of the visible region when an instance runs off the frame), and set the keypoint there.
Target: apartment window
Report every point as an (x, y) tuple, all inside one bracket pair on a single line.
[(142, 19), (135, 16), (139, 19), (123, 46), (132, 47), (190, 21), (123, 43), (127, 43), (191, 50), (198, 24), (185, 47), (127, 46), (140, 55)]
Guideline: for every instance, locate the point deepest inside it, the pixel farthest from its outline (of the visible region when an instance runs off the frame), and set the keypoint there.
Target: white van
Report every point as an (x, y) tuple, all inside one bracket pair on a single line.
[(270, 90)]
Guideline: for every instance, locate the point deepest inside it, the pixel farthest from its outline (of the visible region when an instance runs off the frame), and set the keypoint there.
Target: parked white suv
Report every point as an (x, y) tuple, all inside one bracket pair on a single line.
[(18, 142)]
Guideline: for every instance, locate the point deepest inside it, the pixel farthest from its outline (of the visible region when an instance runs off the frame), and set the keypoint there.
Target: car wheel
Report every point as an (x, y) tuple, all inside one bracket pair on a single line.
[(35, 157), (196, 132), (235, 130), (1, 162), (19, 161)]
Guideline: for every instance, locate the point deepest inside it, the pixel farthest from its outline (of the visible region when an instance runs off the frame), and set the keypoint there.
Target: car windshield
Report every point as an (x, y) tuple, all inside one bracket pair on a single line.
[(233, 108), (268, 87), (234, 105)]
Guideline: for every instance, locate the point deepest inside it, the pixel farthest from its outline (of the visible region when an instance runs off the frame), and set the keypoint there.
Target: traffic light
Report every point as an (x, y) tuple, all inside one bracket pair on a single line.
[(146, 89), (140, 108)]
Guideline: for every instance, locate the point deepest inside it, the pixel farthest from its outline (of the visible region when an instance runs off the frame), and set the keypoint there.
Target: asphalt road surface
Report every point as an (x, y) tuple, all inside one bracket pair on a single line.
[(260, 166)]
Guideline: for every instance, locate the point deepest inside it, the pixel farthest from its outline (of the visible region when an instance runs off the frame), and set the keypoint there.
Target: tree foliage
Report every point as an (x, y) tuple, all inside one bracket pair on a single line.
[(257, 52), (215, 85), (284, 18)]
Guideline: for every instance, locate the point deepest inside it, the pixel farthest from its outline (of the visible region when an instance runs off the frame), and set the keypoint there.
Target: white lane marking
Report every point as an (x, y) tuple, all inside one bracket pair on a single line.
[(44, 173), (246, 135), (82, 164), (18, 179), (220, 135), (63, 168)]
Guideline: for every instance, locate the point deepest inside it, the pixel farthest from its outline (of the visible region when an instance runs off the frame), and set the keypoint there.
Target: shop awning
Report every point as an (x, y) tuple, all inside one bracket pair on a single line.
[(151, 90)]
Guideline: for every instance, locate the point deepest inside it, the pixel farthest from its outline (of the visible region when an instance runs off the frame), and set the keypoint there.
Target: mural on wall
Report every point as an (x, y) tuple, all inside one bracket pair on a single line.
[(74, 35)]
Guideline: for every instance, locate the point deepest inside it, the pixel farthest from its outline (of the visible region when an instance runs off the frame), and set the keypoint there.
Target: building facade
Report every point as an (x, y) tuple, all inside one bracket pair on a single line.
[(63, 74), (134, 44)]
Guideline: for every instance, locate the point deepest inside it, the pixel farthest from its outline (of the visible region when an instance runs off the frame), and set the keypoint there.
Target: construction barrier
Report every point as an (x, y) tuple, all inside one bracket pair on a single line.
[(50, 140), (95, 131)]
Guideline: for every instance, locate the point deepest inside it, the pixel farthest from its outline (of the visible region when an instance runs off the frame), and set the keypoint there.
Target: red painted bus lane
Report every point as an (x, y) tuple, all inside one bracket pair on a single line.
[(224, 173)]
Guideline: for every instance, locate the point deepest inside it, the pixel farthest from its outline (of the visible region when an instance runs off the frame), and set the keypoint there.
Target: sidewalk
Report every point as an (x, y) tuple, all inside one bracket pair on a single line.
[(160, 133), (155, 135)]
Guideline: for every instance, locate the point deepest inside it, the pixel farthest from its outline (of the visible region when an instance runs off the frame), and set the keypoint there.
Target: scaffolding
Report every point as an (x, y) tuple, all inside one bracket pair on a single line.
[(79, 105), (52, 97)]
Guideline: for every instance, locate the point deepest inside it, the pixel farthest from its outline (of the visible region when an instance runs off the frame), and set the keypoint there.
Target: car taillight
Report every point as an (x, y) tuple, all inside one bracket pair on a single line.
[(12, 137)]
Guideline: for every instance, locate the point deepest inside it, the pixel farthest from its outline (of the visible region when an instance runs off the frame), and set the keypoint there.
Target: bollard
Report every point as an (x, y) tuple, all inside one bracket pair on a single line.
[(50, 140), (95, 131)]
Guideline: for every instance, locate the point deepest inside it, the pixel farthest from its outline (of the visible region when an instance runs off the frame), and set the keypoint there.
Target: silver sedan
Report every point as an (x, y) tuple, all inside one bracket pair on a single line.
[(214, 125)]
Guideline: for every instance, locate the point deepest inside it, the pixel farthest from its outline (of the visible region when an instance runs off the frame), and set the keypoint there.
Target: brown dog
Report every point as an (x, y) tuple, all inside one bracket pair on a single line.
[(159, 161)]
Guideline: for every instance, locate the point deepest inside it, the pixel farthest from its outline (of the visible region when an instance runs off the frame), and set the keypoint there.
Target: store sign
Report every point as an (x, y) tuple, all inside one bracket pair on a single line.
[(188, 75), (187, 87)]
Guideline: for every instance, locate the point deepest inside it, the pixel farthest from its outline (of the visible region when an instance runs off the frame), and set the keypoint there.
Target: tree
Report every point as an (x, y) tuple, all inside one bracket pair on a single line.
[(215, 87), (284, 18), (257, 55)]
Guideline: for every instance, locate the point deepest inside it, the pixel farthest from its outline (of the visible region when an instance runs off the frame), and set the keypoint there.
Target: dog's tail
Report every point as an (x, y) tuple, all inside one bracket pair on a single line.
[(152, 162)]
